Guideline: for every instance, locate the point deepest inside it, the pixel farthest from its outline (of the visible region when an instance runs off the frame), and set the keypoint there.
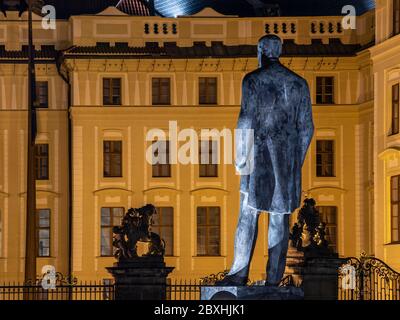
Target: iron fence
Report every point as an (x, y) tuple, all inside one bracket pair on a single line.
[(183, 290), (88, 290), (368, 278)]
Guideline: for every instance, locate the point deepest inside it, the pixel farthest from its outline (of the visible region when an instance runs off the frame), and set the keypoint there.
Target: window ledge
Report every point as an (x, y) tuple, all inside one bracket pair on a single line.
[(393, 243), (393, 135), (327, 178)]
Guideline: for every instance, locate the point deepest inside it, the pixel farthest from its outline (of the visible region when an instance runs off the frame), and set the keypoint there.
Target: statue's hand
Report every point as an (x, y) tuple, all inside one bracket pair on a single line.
[(240, 164)]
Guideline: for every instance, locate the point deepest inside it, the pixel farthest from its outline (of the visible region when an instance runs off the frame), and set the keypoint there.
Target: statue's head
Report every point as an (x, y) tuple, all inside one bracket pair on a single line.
[(148, 209), (269, 48)]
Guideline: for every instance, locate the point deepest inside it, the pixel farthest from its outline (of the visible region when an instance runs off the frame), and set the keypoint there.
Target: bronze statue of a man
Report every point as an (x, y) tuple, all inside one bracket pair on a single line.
[(276, 105)]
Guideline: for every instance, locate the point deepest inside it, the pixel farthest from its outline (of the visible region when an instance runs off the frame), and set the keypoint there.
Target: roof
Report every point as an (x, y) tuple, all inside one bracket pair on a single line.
[(216, 50), (46, 53)]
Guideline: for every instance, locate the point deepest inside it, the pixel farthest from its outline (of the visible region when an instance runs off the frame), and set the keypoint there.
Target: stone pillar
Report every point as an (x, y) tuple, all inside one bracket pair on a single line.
[(320, 278), (141, 278), (316, 271)]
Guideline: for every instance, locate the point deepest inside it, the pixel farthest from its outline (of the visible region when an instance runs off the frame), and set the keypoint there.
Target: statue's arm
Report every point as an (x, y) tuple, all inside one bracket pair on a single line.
[(305, 123), (244, 134)]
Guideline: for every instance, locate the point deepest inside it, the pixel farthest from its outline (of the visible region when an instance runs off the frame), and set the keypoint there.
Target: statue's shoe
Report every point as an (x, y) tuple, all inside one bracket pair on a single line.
[(232, 280)]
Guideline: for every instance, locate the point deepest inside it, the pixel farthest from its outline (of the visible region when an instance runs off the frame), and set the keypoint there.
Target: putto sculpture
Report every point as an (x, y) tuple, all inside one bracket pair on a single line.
[(308, 233), (135, 227)]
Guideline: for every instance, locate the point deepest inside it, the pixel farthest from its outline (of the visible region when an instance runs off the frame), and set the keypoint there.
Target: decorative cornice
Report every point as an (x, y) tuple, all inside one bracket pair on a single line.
[(162, 188), (209, 188), (112, 188), (328, 187), (390, 152)]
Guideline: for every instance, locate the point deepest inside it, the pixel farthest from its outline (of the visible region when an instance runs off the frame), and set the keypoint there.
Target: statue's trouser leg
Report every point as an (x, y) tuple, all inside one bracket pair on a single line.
[(245, 239), (278, 241)]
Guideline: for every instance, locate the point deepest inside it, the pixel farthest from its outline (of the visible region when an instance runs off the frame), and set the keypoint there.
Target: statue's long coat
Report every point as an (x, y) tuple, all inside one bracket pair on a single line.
[(276, 105)]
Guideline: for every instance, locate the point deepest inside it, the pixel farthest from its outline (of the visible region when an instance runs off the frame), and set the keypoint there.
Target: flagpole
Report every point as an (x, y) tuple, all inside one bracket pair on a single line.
[(31, 243)]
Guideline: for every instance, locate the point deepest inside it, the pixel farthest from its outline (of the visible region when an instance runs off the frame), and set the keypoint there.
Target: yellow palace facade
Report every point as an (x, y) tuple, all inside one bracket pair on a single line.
[(104, 80)]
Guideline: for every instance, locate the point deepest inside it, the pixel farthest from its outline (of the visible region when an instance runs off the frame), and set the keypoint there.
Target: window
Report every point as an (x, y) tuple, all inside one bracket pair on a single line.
[(395, 205), (396, 17), (42, 94), (328, 215), (325, 92), (161, 91), (110, 217), (325, 158), (112, 158), (42, 161), (395, 108), (112, 91), (208, 156), (43, 232), (162, 169), (208, 231), (163, 225), (208, 90)]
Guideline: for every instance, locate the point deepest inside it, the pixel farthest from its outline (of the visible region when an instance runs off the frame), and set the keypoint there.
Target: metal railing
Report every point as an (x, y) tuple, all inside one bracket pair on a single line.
[(368, 278), (87, 290), (183, 290)]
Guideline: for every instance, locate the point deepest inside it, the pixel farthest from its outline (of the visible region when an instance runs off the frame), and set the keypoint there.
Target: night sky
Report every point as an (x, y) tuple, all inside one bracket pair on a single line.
[(172, 8), (242, 7)]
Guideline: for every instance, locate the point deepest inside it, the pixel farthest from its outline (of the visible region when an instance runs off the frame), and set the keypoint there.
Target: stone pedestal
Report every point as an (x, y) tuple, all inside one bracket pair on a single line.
[(295, 265), (142, 278), (320, 278), (251, 293)]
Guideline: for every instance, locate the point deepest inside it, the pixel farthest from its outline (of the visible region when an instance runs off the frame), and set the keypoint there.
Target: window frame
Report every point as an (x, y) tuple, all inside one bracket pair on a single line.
[(334, 225), (159, 167), (392, 204), (208, 252), (41, 159), (161, 226), (207, 167), (38, 228), (111, 154), (38, 86), (324, 94), (395, 112), (207, 88), (396, 18), (110, 227), (323, 163), (157, 99), (112, 88)]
